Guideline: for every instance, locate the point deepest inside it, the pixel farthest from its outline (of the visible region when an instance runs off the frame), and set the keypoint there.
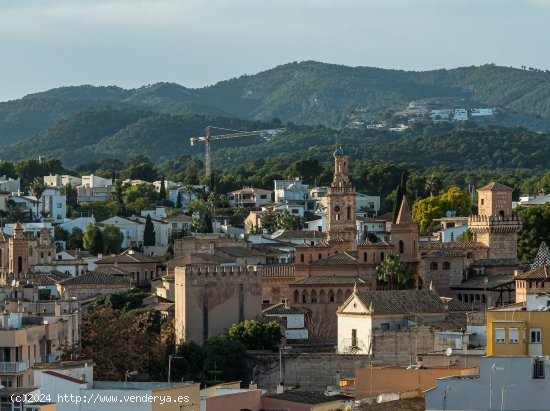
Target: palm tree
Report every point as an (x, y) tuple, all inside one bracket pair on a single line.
[(393, 273), (433, 185)]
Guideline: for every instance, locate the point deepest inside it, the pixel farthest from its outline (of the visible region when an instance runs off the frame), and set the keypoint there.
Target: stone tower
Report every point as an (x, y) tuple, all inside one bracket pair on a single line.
[(404, 237), (341, 222), (19, 251), (495, 226)]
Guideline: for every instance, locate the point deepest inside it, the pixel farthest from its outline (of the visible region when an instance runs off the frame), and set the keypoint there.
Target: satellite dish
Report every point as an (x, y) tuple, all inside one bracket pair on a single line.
[(449, 352), (448, 214)]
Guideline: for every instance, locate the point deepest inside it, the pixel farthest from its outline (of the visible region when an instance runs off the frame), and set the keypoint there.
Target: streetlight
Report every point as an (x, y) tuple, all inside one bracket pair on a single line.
[(130, 374), (170, 365)]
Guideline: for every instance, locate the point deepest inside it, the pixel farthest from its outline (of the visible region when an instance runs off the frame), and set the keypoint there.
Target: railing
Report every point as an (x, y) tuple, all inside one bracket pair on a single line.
[(13, 367)]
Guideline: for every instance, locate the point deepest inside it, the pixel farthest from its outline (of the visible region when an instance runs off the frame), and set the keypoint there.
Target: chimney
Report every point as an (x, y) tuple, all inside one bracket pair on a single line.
[(287, 305)]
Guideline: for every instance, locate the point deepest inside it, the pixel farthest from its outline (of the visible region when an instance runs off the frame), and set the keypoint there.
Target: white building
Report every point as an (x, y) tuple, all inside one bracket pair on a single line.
[(58, 181), (93, 181), (33, 228), (294, 320), (294, 191), (9, 184), (249, 197), (480, 112), (442, 114), (158, 213), (53, 205), (366, 311), (80, 222), (461, 114)]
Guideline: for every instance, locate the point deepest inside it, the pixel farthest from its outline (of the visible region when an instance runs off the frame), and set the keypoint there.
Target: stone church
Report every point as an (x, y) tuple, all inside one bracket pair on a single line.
[(325, 274)]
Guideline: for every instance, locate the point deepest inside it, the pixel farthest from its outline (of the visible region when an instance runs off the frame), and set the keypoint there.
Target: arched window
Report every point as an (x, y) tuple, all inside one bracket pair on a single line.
[(313, 296), (433, 265), (347, 294), (483, 299), (304, 296), (365, 256), (19, 264), (446, 265), (339, 297), (320, 256), (296, 296), (301, 258), (349, 212), (382, 256), (330, 296), (459, 297), (322, 296), (401, 247)]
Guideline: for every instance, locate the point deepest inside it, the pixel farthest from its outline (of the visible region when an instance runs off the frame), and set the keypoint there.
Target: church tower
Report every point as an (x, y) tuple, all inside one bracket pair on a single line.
[(19, 251), (495, 226), (404, 237), (341, 221)]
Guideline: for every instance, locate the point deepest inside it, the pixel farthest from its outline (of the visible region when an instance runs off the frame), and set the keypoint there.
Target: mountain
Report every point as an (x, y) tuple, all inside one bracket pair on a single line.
[(307, 93), (92, 135)]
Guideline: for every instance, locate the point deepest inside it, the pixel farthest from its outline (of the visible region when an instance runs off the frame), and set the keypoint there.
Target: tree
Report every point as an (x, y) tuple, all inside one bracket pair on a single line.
[(287, 221), (76, 239), (149, 237), (433, 185), (162, 190), (37, 187), (70, 193), (256, 335), (93, 239), (59, 234), (393, 273), (307, 169), (224, 360), (179, 203), (112, 239), (536, 228)]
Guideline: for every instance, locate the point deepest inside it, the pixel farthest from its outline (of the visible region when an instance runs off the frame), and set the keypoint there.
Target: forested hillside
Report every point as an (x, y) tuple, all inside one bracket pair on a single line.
[(308, 93)]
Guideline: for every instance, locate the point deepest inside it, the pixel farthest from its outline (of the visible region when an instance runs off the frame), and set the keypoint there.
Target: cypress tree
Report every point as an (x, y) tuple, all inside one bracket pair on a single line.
[(149, 232)]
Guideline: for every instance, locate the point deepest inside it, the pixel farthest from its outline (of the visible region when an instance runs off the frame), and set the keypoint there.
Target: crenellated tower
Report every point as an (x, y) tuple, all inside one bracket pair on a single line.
[(495, 226)]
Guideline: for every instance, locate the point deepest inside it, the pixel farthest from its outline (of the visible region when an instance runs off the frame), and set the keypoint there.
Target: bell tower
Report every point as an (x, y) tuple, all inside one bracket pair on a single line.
[(341, 221)]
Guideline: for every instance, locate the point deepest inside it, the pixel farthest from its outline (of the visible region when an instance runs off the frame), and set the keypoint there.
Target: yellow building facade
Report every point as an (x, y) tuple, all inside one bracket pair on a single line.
[(518, 332)]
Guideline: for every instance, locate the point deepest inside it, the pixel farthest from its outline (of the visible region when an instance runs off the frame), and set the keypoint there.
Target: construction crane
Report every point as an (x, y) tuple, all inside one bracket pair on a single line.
[(207, 138)]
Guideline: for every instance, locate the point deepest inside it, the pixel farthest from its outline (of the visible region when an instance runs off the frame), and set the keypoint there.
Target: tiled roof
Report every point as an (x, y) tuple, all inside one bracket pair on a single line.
[(50, 278), (409, 404), (307, 397), (128, 257), (402, 301), (281, 309), (539, 273), (95, 277), (299, 234), (478, 282), (240, 251), (113, 270), (328, 280), (445, 253), (542, 257), (368, 243), (455, 245), (80, 253), (337, 259), (179, 217), (492, 262), (456, 305), (494, 186)]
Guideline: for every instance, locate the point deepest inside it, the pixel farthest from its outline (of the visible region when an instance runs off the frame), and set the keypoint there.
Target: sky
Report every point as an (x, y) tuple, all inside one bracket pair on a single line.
[(195, 43)]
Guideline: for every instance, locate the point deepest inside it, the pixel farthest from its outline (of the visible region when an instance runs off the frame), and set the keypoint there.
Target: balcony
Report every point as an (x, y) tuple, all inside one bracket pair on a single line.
[(13, 367)]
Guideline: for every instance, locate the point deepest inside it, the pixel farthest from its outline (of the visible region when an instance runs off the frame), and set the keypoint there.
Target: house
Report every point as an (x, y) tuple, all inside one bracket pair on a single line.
[(26, 203), (87, 194), (249, 197), (366, 311), (537, 279), (122, 395), (141, 267), (179, 224), (158, 213), (28, 339), (451, 228), (93, 181), (520, 329), (79, 222), (93, 283), (294, 191), (293, 319), (131, 229), (9, 184), (58, 181), (53, 205), (460, 114), (503, 383), (71, 262), (298, 400)]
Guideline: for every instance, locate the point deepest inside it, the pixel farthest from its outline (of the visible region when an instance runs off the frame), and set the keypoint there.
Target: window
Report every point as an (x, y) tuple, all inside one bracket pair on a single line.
[(263, 196), (401, 247), (535, 335), (354, 338), (301, 258), (482, 201), (513, 335), (433, 265), (365, 256), (385, 326), (59, 205), (499, 335), (538, 369), (446, 265)]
